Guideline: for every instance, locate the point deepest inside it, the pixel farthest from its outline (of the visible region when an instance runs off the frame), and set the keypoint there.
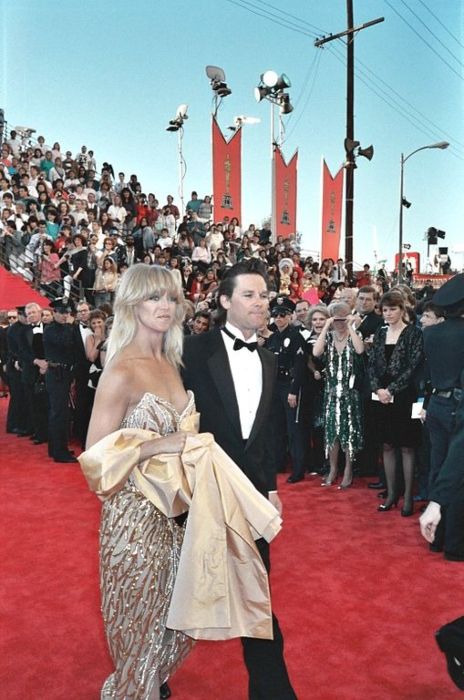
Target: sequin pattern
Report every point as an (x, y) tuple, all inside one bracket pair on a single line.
[(139, 554), (342, 403)]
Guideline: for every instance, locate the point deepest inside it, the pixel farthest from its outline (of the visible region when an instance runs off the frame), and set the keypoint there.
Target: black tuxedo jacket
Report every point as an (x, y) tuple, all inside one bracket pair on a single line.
[(207, 373), (27, 355)]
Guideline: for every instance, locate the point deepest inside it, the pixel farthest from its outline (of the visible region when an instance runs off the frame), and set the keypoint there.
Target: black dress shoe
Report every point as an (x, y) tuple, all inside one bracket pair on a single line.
[(453, 557), (66, 459), (294, 479), (36, 441), (165, 691), (376, 485), (23, 433)]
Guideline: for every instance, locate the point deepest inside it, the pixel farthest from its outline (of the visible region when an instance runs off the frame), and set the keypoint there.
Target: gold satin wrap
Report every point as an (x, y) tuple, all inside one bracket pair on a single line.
[(221, 589)]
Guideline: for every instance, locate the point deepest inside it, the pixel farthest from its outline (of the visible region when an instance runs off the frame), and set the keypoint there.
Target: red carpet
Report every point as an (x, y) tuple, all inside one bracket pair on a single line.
[(357, 594), (14, 291)]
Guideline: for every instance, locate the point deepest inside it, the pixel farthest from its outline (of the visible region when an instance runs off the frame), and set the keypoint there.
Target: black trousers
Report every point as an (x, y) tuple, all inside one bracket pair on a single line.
[(441, 422), (37, 405), (292, 426), (58, 382), (18, 415), (264, 658)]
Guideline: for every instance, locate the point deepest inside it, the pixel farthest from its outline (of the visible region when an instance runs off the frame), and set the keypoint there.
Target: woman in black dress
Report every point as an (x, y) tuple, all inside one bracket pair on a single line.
[(396, 355)]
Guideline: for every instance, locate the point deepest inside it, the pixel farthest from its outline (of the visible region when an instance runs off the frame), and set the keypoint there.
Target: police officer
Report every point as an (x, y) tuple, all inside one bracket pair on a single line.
[(58, 339), (18, 420), (444, 350), (288, 345)]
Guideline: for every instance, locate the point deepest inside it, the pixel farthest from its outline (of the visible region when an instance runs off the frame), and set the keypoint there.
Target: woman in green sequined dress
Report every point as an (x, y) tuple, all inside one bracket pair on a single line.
[(340, 347)]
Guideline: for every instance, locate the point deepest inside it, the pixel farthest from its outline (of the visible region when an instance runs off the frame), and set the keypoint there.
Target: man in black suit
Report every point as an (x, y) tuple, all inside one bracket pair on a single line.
[(33, 367), (81, 373), (233, 381)]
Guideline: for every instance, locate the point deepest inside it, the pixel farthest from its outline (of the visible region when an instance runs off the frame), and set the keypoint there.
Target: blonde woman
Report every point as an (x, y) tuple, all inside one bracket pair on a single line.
[(139, 547)]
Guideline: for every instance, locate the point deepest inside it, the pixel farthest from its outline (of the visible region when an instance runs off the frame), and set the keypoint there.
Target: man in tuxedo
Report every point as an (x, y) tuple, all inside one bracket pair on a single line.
[(33, 367), (233, 381), (81, 372)]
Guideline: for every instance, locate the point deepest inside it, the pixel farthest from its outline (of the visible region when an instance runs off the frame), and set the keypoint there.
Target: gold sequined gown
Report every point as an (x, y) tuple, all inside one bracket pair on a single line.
[(139, 554)]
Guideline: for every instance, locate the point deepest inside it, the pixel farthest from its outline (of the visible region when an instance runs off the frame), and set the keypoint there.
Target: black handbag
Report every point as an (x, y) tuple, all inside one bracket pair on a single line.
[(450, 639)]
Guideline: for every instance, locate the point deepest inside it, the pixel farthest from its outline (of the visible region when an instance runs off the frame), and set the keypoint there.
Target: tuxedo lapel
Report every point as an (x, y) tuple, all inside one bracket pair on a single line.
[(218, 365), (267, 363)]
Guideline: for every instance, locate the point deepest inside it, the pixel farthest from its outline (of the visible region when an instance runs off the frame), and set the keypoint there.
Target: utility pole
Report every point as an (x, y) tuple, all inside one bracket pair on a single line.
[(350, 157)]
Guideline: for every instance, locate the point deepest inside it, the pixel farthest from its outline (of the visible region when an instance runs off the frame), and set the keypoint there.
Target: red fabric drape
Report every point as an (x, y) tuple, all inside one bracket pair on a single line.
[(332, 198), (285, 181), (227, 174)]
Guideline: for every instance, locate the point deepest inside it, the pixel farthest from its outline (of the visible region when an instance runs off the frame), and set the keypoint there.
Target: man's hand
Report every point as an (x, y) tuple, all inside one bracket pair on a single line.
[(384, 395), (292, 400), (429, 521), (276, 502)]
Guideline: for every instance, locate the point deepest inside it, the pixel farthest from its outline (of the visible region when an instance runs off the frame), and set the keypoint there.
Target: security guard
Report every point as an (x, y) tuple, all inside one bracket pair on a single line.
[(18, 420), (444, 350), (288, 345), (58, 342)]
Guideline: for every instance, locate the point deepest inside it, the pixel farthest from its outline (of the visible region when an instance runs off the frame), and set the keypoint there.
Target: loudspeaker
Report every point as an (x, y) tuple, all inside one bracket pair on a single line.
[(367, 153)]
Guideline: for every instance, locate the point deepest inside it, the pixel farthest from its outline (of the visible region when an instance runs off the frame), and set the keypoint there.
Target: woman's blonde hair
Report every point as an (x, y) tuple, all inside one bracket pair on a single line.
[(139, 283), (339, 307)]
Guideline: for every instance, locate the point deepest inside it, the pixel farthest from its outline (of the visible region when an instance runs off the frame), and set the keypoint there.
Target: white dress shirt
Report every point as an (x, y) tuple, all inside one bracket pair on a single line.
[(247, 374)]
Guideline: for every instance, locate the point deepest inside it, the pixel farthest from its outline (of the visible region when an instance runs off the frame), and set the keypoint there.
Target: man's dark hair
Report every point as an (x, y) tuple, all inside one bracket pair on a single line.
[(367, 289), (439, 311), (202, 314)]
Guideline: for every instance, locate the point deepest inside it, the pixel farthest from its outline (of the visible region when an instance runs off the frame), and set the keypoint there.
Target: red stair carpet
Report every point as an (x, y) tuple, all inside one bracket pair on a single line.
[(358, 595), (14, 291)]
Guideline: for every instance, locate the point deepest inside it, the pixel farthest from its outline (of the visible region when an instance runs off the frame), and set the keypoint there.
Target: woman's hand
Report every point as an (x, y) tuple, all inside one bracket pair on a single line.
[(173, 443), (384, 395), (317, 375)]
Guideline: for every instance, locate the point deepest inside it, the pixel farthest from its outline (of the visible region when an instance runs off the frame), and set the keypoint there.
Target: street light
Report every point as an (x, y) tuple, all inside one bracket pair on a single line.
[(177, 124), (442, 145), (272, 87)]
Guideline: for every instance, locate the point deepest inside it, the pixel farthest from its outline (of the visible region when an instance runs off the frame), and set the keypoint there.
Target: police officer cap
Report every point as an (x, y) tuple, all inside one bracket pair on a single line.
[(451, 292), (21, 310), (283, 304), (62, 305)]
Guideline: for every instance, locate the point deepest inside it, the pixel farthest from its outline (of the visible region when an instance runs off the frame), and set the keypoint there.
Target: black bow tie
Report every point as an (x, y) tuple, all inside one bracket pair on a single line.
[(82, 324), (239, 343), (35, 325)]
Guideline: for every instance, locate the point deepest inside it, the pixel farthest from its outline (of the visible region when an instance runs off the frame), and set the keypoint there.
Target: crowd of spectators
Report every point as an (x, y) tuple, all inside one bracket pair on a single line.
[(72, 233)]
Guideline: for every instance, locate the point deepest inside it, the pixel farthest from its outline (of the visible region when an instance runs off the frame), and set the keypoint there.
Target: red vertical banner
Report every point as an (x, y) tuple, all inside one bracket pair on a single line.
[(332, 199), (227, 174), (285, 193)]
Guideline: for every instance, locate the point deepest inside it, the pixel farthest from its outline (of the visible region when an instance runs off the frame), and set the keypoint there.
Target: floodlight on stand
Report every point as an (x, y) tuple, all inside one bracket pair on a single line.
[(261, 92), (269, 78), (178, 121), (406, 203), (283, 82), (218, 81)]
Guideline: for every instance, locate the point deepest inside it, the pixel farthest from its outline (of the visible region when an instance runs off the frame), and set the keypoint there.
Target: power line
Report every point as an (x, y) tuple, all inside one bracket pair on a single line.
[(385, 98), (299, 19), (247, 5), (423, 40), (283, 23), (432, 33), (442, 25), (308, 97)]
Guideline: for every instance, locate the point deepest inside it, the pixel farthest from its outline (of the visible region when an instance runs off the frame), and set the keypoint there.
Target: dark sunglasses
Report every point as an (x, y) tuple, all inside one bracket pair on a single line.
[(12, 318)]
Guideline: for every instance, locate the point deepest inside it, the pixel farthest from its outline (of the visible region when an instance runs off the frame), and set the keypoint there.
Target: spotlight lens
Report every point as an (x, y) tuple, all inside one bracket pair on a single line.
[(270, 78), (257, 92), (285, 80)]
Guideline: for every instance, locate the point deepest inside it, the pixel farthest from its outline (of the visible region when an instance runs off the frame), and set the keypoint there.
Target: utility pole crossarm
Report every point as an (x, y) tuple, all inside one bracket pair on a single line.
[(347, 32)]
